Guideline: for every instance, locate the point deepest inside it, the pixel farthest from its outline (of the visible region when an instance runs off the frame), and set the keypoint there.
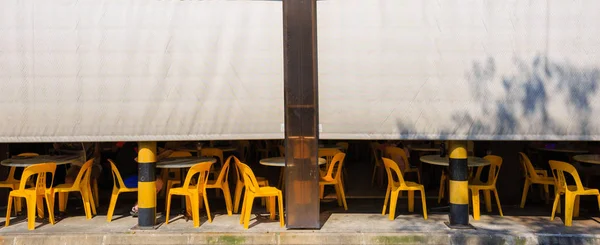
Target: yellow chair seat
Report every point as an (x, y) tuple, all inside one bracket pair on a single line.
[(81, 185), (397, 185), (118, 188), (34, 196), (487, 188), (192, 192), (534, 176), (253, 190), (334, 177)]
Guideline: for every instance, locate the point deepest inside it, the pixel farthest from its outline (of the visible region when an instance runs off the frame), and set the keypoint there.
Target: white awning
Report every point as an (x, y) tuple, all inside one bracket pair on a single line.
[(507, 70), (102, 70), (140, 70)]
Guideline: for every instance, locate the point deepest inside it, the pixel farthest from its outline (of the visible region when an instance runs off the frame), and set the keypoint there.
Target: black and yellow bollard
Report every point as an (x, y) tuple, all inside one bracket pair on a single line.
[(459, 185), (146, 185)]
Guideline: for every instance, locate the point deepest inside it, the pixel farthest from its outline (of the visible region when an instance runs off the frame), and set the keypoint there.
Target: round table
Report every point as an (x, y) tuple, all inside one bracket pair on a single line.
[(28, 161), (445, 161), (425, 148), (280, 161), (562, 150), (183, 162), (591, 158)]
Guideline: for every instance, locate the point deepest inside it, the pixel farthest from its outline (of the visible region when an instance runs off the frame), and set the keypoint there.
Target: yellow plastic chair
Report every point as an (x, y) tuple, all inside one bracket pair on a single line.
[(192, 192), (253, 190), (487, 187), (571, 192), (12, 183), (533, 176), (400, 152), (377, 154), (118, 188), (333, 177), (34, 196), (240, 184), (396, 184), (222, 183), (176, 180), (244, 147), (81, 185)]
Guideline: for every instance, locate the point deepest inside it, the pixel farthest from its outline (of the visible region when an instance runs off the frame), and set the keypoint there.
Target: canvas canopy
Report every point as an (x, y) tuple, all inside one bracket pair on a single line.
[(104, 70)]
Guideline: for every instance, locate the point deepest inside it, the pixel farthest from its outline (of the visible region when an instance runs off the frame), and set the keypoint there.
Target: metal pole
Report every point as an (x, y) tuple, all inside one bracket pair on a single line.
[(459, 185), (301, 113), (146, 185)]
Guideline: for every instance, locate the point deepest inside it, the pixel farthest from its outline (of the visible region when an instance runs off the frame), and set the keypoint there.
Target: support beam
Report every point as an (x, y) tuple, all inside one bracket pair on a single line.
[(146, 185), (459, 185), (301, 113)]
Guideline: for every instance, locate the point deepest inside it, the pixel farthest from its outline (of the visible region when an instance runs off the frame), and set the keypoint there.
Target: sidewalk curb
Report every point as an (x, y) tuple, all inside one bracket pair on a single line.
[(300, 237)]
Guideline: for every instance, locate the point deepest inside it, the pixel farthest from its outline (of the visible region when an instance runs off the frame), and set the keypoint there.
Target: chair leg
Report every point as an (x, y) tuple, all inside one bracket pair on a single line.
[(238, 194), (419, 176), (475, 194), (423, 203), (227, 196), (111, 206), (195, 209), (498, 203), (50, 206), (243, 211), (524, 196), (10, 200), (321, 191), (488, 200), (411, 201), (337, 194), (168, 211), (86, 204), (555, 205), (272, 207), (373, 177), (393, 202), (93, 200), (95, 193), (387, 197), (206, 205), (442, 187), (569, 203), (31, 201), (281, 214), (343, 195), (250, 200)]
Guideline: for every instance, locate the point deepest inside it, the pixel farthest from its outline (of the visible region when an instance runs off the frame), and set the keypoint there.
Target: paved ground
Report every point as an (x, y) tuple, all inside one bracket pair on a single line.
[(362, 225)]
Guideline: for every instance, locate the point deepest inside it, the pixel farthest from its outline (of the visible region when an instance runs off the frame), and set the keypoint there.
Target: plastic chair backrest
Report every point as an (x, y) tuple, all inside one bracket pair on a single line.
[(213, 152), (180, 154), (245, 145), (249, 178), (203, 169), (84, 173), (117, 180), (41, 170), (394, 153), (558, 171), (393, 170), (377, 154), (328, 154), (496, 163), (527, 166), (281, 150), (335, 166), (224, 171)]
